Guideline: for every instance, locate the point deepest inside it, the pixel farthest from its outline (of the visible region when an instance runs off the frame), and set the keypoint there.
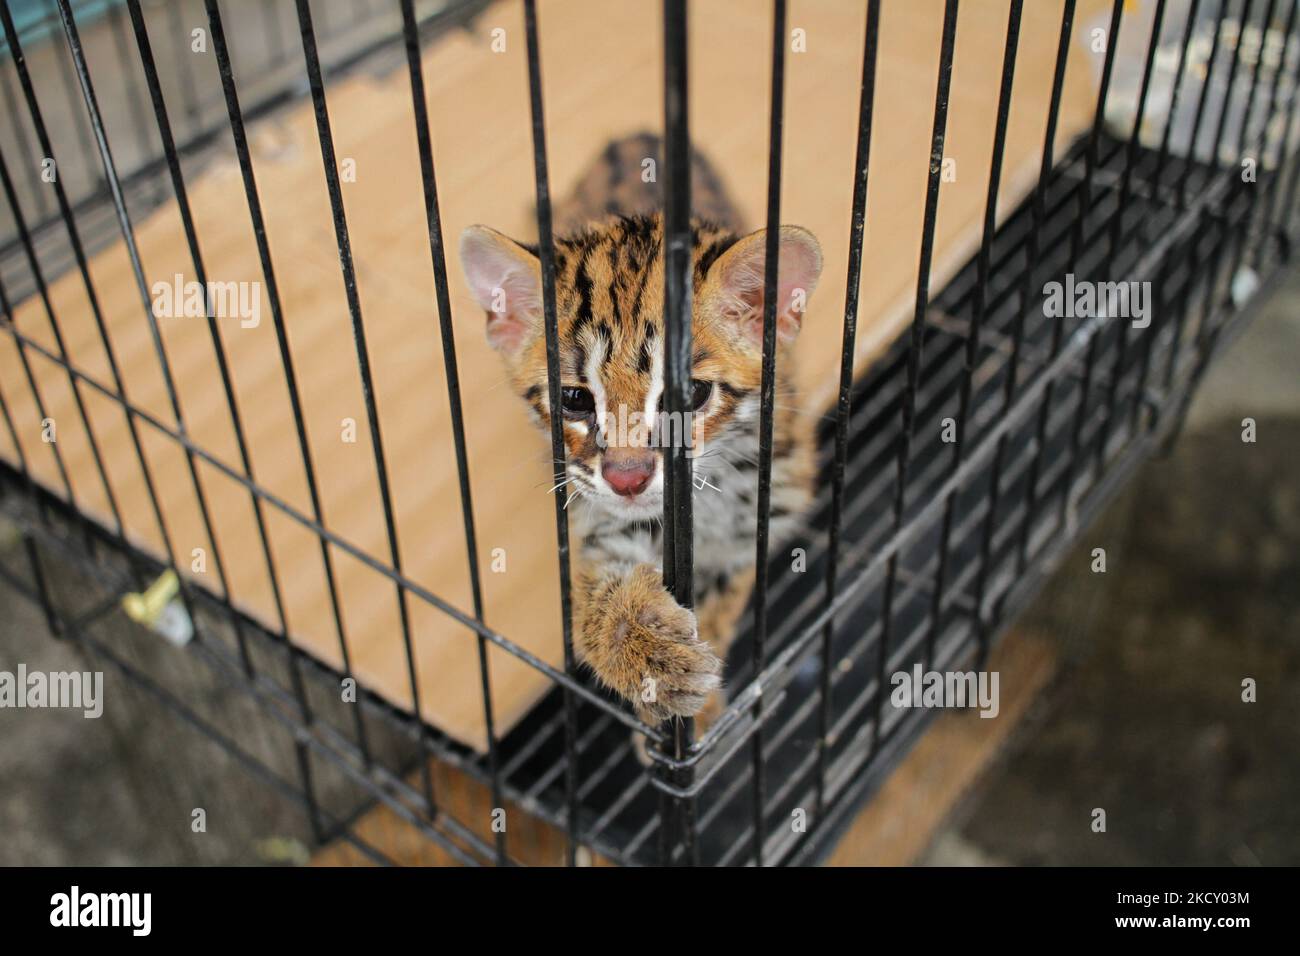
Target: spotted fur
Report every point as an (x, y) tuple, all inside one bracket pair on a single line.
[(624, 180), (609, 282)]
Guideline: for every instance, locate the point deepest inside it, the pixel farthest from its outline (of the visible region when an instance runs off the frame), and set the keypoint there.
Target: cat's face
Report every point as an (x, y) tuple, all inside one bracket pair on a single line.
[(609, 307)]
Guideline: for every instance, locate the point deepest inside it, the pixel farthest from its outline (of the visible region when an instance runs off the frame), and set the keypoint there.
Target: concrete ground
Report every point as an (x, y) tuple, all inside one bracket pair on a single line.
[(1146, 720), (122, 789)]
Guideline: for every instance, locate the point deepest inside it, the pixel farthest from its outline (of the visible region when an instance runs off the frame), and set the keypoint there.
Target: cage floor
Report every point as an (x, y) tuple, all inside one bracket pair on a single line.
[(477, 101)]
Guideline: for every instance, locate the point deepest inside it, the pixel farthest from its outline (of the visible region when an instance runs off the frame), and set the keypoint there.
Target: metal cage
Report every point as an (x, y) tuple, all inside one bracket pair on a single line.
[(920, 549)]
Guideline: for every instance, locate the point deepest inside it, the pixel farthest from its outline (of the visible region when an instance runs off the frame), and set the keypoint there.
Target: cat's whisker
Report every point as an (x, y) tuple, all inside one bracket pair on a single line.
[(552, 477), (535, 458), (733, 467), (558, 485), (725, 454), (704, 471), (493, 387)]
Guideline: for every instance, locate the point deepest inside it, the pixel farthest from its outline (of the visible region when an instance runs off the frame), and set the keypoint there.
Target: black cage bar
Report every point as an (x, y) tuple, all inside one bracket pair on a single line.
[(917, 553)]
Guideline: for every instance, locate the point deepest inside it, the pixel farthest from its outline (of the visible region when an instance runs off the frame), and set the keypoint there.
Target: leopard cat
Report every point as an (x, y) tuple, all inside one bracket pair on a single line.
[(664, 659)]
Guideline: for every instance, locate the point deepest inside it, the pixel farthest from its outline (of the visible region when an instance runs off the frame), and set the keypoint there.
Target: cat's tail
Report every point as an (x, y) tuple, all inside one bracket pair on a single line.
[(626, 179)]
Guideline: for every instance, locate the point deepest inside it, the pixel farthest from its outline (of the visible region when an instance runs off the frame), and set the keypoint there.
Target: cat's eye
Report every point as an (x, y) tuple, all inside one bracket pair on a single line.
[(577, 402), (700, 392)]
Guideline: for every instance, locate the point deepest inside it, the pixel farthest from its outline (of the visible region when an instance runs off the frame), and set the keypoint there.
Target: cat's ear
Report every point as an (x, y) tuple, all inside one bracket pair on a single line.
[(506, 280), (735, 282)]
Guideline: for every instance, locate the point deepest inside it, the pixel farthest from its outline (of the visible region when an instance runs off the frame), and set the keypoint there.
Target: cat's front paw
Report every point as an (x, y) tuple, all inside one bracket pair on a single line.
[(654, 655), (680, 671)]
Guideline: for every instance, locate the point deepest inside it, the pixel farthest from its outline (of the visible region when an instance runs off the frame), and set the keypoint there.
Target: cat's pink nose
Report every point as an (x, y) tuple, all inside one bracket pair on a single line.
[(628, 475)]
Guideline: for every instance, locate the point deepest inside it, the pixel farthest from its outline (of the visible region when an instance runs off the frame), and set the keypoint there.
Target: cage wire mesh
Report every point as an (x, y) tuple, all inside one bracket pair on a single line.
[(954, 472)]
